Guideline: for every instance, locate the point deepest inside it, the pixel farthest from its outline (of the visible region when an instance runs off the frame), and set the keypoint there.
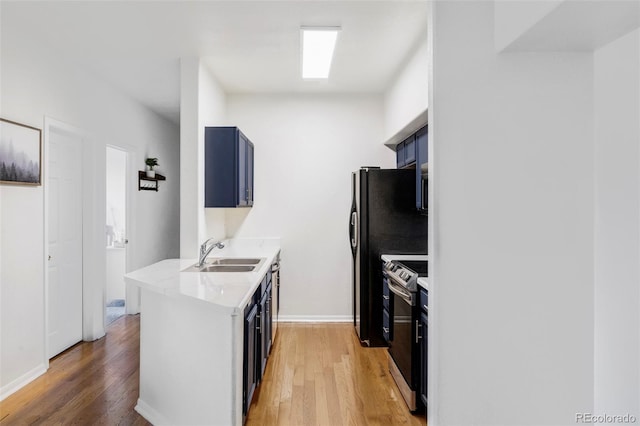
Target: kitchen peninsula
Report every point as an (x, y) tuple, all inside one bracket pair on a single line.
[(193, 334)]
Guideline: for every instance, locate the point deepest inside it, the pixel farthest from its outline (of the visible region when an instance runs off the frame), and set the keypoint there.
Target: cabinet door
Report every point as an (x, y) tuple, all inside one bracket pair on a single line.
[(220, 166), (243, 189), (400, 155), (385, 293), (410, 151), (386, 326), (263, 339), (249, 173), (268, 322), (249, 364), (422, 158), (423, 356)]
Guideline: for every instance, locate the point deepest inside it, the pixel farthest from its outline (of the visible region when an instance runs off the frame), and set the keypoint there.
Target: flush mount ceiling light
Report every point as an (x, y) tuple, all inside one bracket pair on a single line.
[(318, 44)]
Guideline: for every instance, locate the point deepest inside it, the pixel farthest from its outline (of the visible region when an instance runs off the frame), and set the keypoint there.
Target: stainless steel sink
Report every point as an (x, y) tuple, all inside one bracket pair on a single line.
[(235, 261), (227, 268), (228, 264)]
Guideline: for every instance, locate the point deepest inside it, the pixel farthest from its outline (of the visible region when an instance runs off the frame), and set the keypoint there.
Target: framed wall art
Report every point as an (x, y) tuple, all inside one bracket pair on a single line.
[(20, 154)]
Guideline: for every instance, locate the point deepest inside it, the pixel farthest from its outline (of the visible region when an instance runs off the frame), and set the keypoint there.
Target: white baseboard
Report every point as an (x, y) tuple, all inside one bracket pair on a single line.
[(315, 318), (22, 381), (151, 415)]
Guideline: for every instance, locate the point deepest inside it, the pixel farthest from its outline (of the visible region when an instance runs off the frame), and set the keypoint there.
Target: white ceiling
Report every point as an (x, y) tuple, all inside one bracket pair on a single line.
[(250, 46)]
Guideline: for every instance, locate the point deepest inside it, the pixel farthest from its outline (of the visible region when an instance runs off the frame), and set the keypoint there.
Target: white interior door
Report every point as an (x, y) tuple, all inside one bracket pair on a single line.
[(64, 322)]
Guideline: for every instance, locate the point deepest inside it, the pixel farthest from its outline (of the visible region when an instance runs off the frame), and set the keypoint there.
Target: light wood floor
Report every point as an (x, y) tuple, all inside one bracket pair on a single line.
[(317, 375)]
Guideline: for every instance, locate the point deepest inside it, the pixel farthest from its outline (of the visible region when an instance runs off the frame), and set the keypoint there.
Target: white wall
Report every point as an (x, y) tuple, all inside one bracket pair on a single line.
[(202, 103), (617, 227), (512, 199), (514, 18), (37, 81), (406, 99), (305, 150), (211, 112)]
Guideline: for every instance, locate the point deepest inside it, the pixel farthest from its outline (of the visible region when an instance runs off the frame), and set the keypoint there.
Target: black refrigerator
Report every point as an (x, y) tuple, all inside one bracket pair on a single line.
[(383, 220)]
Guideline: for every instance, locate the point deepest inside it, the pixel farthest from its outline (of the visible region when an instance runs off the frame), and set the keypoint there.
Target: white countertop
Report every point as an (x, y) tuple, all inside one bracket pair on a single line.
[(424, 282), (401, 257), (227, 291)]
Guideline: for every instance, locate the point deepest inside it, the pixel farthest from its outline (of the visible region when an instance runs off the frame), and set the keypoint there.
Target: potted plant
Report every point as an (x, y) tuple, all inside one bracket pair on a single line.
[(151, 163)]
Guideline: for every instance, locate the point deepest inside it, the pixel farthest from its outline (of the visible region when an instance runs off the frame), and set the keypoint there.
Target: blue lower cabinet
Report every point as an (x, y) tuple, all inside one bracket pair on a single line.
[(268, 321), (385, 293), (264, 334), (258, 336), (423, 300), (424, 346), (249, 368), (386, 326)]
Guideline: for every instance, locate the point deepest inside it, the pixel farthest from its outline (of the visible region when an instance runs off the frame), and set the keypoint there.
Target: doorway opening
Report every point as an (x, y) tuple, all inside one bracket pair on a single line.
[(116, 232)]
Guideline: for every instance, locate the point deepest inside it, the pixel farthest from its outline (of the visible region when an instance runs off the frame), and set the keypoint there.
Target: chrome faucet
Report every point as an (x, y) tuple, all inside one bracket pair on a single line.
[(204, 250)]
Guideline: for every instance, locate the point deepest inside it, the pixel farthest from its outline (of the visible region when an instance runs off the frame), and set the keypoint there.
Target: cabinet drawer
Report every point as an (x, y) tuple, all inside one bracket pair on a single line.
[(386, 326), (423, 299)]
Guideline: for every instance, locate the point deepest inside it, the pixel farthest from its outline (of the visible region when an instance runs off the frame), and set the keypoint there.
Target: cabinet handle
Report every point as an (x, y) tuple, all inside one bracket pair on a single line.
[(418, 336), (385, 329)]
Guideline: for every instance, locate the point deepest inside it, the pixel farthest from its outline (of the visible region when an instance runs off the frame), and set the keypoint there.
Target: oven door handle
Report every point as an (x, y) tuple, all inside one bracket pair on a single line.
[(406, 297)]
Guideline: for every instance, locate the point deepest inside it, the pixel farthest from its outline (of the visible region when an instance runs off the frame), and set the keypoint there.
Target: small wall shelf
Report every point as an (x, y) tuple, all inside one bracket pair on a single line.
[(148, 184)]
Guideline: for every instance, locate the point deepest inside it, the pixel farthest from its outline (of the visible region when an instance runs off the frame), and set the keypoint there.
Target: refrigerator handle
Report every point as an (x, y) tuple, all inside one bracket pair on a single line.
[(354, 225)]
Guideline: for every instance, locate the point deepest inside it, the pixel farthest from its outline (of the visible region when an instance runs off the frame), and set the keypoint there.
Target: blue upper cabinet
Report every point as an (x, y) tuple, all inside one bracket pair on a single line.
[(406, 153), (228, 168), (400, 161), (412, 154), (410, 151), (249, 173), (422, 158)]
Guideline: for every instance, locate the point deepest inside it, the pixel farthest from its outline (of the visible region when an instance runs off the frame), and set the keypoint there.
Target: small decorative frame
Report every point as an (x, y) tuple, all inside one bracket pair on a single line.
[(20, 154)]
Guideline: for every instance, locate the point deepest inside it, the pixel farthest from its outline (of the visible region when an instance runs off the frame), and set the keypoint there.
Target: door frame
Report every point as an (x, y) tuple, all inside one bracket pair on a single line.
[(131, 178), (93, 281)]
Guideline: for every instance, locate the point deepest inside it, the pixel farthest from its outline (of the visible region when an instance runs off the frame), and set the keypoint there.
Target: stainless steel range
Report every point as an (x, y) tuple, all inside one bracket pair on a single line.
[(401, 318)]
